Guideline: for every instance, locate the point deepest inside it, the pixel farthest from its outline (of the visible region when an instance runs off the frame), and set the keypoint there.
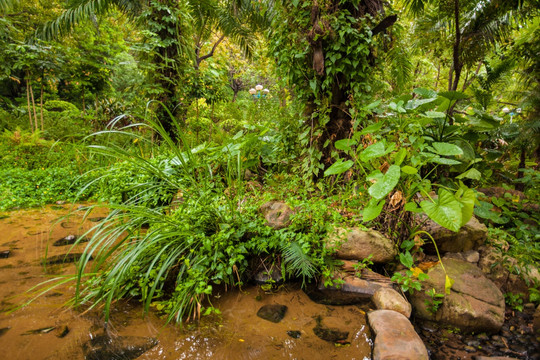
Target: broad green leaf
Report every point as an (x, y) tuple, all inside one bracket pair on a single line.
[(448, 282), (453, 95), (373, 128), (373, 210), (470, 174), (376, 150), (411, 206), (373, 105), (400, 156), (426, 93), (447, 149), (445, 210), (386, 184), (339, 167), (406, 259), (466, 198), (444, 161), (435, 114), (345, 144), (413, 104), (409, 170)]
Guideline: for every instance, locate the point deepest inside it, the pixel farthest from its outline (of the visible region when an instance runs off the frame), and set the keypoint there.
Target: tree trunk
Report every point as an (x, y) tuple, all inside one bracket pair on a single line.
[(41, 103), (28, 105), (33, 105), (520, 173)]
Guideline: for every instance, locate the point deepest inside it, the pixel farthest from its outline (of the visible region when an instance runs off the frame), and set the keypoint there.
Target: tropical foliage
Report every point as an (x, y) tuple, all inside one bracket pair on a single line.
[(184, 117)]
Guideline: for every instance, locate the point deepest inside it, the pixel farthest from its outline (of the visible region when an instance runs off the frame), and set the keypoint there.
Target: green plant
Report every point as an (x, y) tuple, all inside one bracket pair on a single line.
[(364, 264), (514, 301), (435, 300)]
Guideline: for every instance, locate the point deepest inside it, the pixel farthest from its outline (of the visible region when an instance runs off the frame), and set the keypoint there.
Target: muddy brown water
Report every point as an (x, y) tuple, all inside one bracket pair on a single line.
[(235, 334)]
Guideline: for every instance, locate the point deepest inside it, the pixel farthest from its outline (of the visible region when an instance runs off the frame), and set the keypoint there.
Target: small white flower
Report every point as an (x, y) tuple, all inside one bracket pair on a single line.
[(259, 87)]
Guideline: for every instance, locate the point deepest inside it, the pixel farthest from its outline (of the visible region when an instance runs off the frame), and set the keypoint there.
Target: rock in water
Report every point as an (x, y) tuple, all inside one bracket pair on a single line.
[(4, 330), (104, 347), (295, 334), (274, 313), (395, 337), (329, 334), (69, 240), (5, 254), (64, 259)]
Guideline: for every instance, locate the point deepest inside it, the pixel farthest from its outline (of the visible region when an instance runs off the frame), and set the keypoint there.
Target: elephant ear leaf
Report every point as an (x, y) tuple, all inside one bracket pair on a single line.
[(386, 183), (445, 210), (466, 198)]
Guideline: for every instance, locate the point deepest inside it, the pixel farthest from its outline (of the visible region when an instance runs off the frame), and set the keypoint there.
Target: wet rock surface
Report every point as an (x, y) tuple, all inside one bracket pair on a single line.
[(104, 347), (274, 312), (353, 290), (395, 337), (358, 244), (474, 303), (389, 299), (69, 240), (516, 340), (330, 334), (4, 254)]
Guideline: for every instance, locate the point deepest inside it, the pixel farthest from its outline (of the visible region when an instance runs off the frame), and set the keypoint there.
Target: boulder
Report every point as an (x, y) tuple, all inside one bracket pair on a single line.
[(470, 237), (471, 256), (277, 214), (349, 289), (494, 358), (395, 338), (389, 299), (474, 303), (358, 244)]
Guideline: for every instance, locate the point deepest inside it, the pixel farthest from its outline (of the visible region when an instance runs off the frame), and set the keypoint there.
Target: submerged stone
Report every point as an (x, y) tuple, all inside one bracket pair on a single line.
[(69, 240), (64, 259), (274, 312), (5, 254), (329, 334), (295, 334), (4, 330), (118, 348)]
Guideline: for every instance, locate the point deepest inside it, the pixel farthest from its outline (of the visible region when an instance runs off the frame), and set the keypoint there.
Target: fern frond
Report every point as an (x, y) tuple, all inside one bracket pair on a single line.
[(297, 261)]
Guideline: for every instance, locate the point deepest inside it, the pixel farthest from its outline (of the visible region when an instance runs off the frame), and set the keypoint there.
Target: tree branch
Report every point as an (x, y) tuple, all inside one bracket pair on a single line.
[(211, 53)]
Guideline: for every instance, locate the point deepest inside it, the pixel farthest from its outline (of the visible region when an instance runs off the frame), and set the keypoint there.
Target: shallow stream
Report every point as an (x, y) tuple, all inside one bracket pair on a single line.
[(46, 329)]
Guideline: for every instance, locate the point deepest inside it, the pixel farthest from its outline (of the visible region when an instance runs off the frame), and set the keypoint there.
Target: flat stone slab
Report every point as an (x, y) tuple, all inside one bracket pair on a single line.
[(274, 312), (395, 338), (354, 290)]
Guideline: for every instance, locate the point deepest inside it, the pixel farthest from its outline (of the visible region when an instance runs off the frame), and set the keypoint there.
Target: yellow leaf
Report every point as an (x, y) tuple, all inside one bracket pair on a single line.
[(241, 340), (448, 282), (416, 271)]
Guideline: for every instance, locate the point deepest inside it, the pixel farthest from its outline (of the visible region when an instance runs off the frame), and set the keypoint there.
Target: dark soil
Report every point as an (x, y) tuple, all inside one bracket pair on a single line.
[(515, 340)]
